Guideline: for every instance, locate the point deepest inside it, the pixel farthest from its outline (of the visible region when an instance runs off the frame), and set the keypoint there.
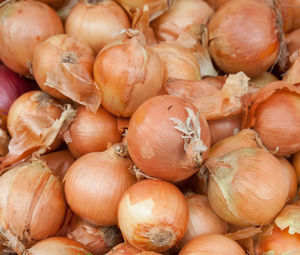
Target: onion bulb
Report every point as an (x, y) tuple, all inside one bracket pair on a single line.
[(23, 25), (167, 138), (62, 66), (290, 14), (296, 164), (274, 115), (96, 22), (95, 183), (4, 141), (153, 215), (292, 41), (98, 240), (202, 219), (34, 122), (212, 244), (91, 132), (58, 246), (263, 79), (247, 186), (32, 204), (292, 75), (250, 44), (138, 74), (128, 249)]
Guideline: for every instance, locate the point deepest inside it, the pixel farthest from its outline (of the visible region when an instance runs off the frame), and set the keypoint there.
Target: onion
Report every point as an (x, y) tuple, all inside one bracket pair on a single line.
[(202, 219), (98, 240), (247, 187), (292, 75), (91, 132), (95, 183), (58, 246), (263, 80), (212, 244), (153, 215), (179, 61), (4, 141), (34, 123), (296, 164), (216, 4), (11, 87), (128, 249), (62, 66), (137, 75), (274, 115), (59, 162), (32, 204), (20, 32), (290, 14), (292, 41), (166, 139), (250, 44), (184, 20), (97, 22)]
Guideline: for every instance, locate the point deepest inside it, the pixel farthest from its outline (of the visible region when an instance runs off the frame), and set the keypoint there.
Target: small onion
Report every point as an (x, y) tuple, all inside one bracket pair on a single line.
[(156, 142), (96, 22), (247, 186), (263, 79), (138, 75), (292, 41), (32, 204), (212, 244), (153, 215), (98, 240), (24, 24), (58, 246), (202, 219), (91, 132), (95, 183), (62, 66), (296, 164), (128, 249), (248, 44)]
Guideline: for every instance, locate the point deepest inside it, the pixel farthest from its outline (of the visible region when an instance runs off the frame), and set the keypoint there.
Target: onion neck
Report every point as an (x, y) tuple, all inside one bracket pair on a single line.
[(13, 241)]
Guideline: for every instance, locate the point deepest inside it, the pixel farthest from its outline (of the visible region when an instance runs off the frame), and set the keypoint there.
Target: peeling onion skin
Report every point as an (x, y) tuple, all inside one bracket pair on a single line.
[(153, 215), (20, 32), (244, 44), (296, 164), (212, 244)]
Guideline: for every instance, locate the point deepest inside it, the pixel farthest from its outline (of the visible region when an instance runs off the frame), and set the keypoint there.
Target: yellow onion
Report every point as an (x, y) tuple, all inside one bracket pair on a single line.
[(180, 62), (128, 249), (95, 183), (184, 20), (24, 24), (91, 132), (96, 22), (290, 14), (4, 141), (248, 41), (62, 66), (216, 4), (153, 215), (138, 74), (247, 186), (34, 123), (58, 162), (202, 219), (293, 42), (167, 138), (296, 164), (212, 244), (263, 79), (58, 246), (32, 204), (274, 115), (98, 240)]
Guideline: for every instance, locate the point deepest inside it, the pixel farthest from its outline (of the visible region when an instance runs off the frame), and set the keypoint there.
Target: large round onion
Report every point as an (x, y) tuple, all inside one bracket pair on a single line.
[(24, 24), (248, 41)]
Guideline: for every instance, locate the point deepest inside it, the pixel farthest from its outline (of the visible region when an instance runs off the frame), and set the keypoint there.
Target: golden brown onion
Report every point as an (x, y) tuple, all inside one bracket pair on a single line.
[(290, 10), (248, 41), (153, 215), (296, 164), (91, 132), (96, 22), (23, 25)]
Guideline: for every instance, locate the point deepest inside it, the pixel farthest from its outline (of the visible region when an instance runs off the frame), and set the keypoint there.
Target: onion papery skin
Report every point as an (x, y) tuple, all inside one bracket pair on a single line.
[(32, 203), (153, 215), (212, 244), (274, 115), (92, 132), (98, 240), (292, 41), (20, 32), (290, 14), (237, 44), (292, 75), (95, 183), (138, 75), (296, 164), (58, 246), (179, 61), (157, 148), (202, 219), (247, 187), (96, 22)]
